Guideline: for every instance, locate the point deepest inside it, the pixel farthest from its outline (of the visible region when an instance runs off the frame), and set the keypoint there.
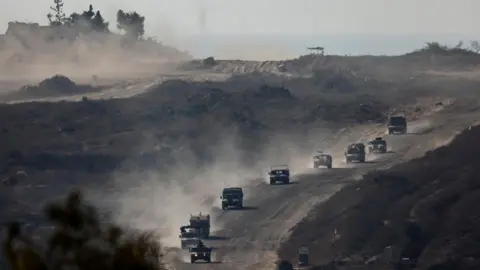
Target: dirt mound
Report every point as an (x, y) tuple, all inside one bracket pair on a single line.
[(421, 209), (57, 85)]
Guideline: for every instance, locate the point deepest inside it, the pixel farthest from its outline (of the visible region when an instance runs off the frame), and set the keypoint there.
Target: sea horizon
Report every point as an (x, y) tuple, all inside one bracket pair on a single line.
[(284, 46)]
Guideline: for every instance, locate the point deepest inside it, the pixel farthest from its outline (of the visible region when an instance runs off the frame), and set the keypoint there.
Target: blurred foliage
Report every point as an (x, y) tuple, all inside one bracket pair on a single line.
[(80, 241)]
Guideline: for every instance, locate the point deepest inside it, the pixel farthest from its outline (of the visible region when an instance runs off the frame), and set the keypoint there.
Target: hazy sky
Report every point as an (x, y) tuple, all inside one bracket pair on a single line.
[(275, 16), (171, 20)]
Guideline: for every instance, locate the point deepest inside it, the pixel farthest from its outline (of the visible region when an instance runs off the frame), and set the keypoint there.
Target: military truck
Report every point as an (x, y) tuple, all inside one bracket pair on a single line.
[(201, 223), (397, 124), (200, 252), (378, 145), (324, 160), (355, 153), (232, 197), (279, 173), (189, 237)]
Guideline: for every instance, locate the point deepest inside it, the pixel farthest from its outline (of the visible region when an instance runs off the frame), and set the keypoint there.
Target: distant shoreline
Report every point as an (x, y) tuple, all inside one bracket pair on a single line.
[(276, 46)]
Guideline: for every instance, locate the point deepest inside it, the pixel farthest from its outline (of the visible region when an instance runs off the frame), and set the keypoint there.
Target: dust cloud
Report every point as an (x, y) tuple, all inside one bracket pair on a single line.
[(420, 126), (163, 201), (32, 51)]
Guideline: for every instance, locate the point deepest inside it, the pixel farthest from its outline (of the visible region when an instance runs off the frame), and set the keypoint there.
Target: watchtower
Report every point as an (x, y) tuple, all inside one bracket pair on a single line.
[(316, 50)]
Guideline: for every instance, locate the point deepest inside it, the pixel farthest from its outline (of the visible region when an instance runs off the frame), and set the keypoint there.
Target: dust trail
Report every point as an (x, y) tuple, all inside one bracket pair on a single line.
[(163, 201), (420, 126)]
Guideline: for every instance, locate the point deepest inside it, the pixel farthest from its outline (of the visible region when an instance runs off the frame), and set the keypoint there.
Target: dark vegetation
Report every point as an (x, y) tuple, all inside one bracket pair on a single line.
[(83, 39), (90, 20), (424, 209), (79, 240)]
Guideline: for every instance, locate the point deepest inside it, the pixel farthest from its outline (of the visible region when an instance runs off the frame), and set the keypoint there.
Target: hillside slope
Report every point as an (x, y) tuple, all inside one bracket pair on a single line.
[(425, 209)]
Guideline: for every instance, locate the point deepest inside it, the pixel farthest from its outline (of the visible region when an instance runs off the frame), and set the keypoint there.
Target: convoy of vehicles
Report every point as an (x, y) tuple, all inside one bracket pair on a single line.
[(199, 226)]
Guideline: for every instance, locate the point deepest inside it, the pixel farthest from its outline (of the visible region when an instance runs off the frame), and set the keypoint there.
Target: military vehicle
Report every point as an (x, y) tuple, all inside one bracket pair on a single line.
[(201, 223), (397, 124), (279, 173), (189, 237), (200, 252), (378, 145), (323, 160), (232, 197), (355, 152)]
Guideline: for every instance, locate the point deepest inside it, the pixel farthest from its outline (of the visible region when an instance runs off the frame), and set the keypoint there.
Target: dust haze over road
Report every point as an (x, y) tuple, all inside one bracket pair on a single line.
[(218, 126), (167, 199), (254, 235)]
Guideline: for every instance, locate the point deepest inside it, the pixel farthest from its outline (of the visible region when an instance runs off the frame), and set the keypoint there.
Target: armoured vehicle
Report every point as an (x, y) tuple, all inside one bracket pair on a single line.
[(397, 124), (378, 145), (322, 160), (200, 252), (232, 197), (355, 152), (189, 237), (202, 224), (279, 173)]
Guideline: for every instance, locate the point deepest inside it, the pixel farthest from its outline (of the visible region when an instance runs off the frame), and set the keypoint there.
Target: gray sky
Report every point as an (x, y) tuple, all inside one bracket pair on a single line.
[(172, 20), (183, 17)]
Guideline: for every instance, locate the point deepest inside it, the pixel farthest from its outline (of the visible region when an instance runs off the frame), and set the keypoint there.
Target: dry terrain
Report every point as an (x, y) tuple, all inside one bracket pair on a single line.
[(150, 151), (422, 208)]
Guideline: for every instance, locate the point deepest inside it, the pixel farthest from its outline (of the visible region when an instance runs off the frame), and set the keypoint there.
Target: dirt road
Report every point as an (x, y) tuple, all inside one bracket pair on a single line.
[(251, 236)]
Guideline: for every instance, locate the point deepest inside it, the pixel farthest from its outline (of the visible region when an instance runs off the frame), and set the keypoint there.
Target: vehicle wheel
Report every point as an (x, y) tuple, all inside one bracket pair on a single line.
[(272, 182), (329, 166), (389, 132), (223, 207), (209, 260), (240, 205), (192, 259)]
